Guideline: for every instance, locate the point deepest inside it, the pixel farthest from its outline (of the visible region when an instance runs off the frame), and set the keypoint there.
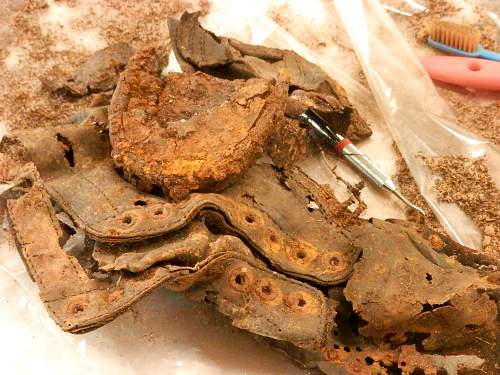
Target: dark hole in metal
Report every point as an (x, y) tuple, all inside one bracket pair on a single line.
[(249, 219), (239, 279), (67, 148), (418, 371), (266, 289)]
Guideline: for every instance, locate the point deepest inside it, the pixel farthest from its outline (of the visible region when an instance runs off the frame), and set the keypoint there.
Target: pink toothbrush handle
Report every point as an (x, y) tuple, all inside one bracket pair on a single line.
[(464, 71)]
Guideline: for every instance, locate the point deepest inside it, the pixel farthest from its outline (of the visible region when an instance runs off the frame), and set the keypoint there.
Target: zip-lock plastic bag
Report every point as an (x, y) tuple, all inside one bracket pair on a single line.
[(418, 119), (402, 97)]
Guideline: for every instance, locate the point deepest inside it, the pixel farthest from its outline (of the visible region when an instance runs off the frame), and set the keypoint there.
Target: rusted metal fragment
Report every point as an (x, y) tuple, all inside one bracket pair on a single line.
[(75, 167), (272, 215), (269, 304), (75, 302), (445, 245), (230, 58), (313, 245), (188, 132), (111, 210), (349, 350), (254, 298), (363, 358), (98, 73), (402, 360), (403, 290), (186, 247)]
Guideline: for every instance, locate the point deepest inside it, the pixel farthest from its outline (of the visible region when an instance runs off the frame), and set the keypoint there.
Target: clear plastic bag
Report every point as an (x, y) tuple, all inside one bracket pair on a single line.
[(402, 97), (405, 7), (417, 117)]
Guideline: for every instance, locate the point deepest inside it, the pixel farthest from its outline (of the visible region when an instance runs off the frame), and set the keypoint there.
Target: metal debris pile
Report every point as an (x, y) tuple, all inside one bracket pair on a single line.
[(163, 194)]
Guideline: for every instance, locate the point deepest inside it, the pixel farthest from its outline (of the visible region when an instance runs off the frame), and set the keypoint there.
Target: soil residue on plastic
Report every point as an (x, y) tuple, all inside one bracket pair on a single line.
[(466, 182), (49, 41), (477, 112)]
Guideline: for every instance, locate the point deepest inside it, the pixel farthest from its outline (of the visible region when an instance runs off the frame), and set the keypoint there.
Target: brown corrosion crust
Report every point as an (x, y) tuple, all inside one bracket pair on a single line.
[(288, 142), (310, 86), (99, 72), (188, 132), (78, 303), (407, 291), (404, 359), (111, 210)]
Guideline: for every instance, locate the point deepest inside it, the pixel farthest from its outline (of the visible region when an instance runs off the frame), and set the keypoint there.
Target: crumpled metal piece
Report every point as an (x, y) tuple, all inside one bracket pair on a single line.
[(409, 290), (244, 250), (186, 132), (99, 72), (254, 297), (199, 49)]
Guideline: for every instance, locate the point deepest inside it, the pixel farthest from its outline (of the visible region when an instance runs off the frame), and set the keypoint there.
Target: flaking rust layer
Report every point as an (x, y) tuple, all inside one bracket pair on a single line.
[(274, 252), (197, 49), (273, 262), (188, 131)]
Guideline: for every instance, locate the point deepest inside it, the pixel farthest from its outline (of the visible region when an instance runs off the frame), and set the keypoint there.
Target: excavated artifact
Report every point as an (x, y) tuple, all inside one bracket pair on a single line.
[(276, 253), (111, 210), (162, 127), (98, 73), (272, 250), (189, 132), (199, 49), (413, 289)]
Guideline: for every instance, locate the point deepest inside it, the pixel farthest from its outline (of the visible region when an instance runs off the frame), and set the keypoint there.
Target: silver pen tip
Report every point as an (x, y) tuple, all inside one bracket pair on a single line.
[(402, 197)]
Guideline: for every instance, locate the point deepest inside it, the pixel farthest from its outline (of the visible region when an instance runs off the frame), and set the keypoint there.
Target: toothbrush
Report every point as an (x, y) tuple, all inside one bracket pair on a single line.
[(463, 71), (458, 40)]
